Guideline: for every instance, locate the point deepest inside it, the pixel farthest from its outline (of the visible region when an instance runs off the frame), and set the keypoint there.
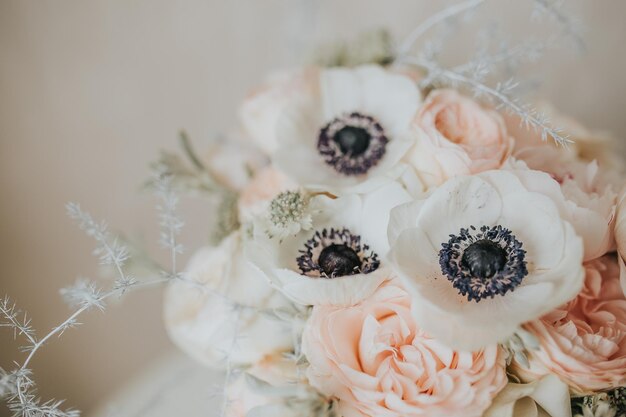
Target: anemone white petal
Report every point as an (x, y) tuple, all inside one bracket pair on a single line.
[(341, 291), (459, 203), (391, 98)]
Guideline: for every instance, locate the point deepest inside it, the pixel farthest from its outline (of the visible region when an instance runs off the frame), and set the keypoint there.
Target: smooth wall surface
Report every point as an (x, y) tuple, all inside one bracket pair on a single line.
[(90, 90)]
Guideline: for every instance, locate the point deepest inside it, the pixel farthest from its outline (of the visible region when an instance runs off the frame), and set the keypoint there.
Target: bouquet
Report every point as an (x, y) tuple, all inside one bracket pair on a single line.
[(396, 238)]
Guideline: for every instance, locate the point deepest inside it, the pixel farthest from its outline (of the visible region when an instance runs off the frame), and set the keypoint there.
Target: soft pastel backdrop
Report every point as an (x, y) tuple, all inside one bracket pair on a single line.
[(91, 89)]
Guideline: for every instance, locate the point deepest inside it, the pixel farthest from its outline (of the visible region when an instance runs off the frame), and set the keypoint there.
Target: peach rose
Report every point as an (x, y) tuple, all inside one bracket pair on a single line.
[(586, 197), (259, 192), (456, 136), (589, 172), (377, 362), (584, 341)]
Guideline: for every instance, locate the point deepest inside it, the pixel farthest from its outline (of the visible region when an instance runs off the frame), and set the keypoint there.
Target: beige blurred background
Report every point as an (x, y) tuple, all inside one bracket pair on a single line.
[(90, 90)]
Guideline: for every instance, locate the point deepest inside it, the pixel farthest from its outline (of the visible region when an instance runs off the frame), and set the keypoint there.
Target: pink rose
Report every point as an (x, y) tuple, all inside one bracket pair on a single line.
[(584, 195), (584, 341), (456, 136), (377, 362)]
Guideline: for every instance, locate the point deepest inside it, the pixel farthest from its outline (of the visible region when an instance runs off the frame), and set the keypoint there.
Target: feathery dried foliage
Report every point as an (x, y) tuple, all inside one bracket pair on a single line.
[(17, 320), (17, 387), (473, 75), (187, 172)]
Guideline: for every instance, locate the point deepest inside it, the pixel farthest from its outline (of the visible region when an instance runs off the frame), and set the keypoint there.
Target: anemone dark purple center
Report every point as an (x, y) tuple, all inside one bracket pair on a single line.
[(333, 253), (352, 140), (338, 260), (352, 143), (482, 263), (484, 258)]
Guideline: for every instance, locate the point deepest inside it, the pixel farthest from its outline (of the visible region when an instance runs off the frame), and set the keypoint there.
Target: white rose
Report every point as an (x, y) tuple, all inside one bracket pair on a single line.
[(260, 111), (230, 161), (214, 312), (274, 387)]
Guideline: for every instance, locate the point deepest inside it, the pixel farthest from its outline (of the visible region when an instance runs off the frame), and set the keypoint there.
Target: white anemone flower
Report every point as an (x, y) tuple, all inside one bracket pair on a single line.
[(351, 133), (341, 260), (483, 254), (215, 313)]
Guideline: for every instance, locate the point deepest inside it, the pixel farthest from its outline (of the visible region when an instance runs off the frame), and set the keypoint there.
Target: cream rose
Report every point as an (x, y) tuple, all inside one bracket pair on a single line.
[(376, 360), (274, 387), (213, 312), (231, 160), (261, 110), (456, 136), (584, 340), (546, 397)]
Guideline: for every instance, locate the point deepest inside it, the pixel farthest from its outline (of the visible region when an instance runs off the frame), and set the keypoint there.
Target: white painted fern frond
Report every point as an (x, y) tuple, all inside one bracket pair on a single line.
[(17, 320), (110, 250), (170, 222), (18, 386)]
